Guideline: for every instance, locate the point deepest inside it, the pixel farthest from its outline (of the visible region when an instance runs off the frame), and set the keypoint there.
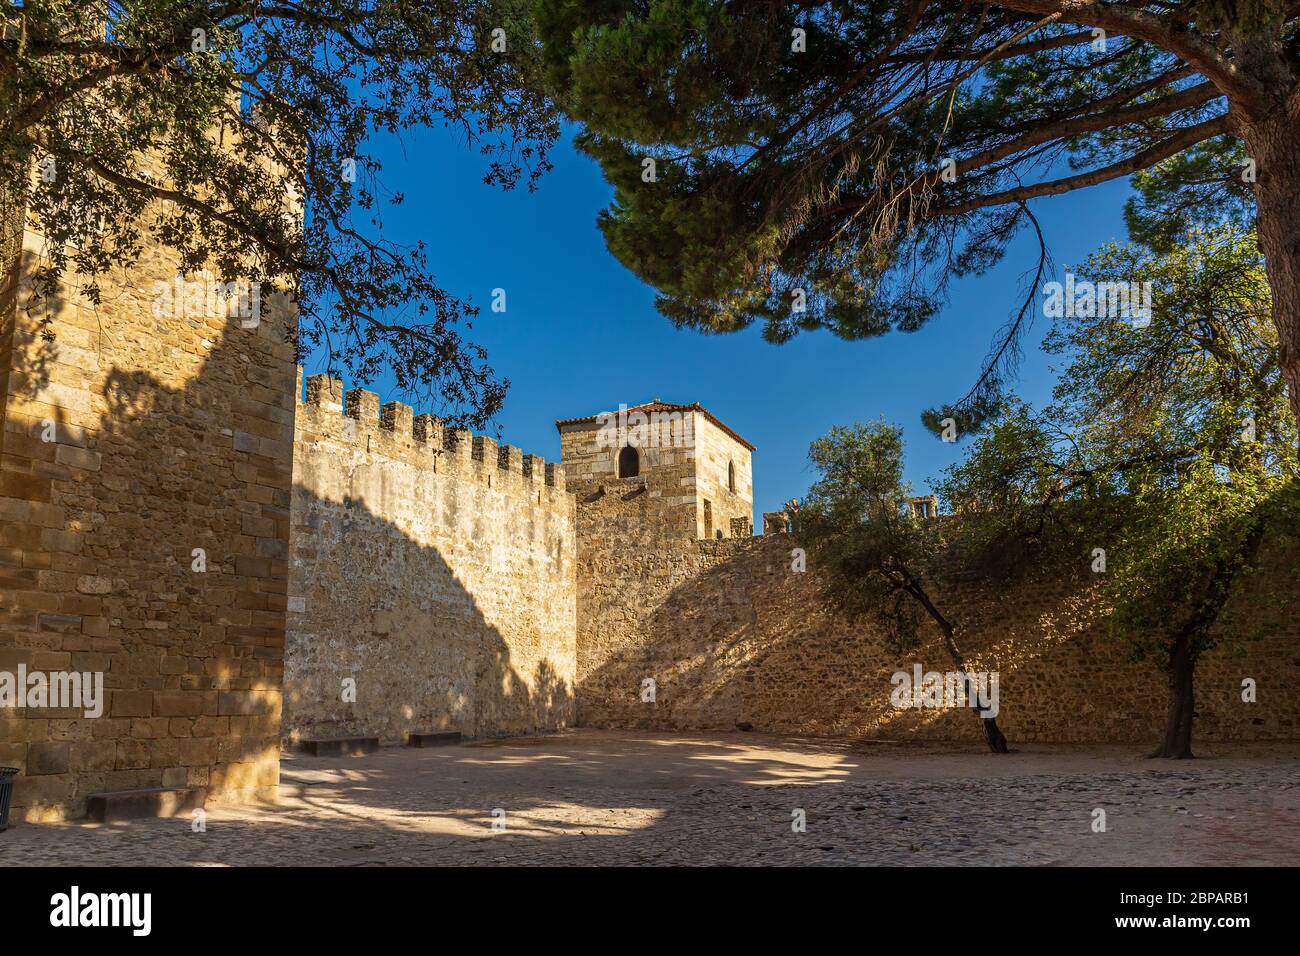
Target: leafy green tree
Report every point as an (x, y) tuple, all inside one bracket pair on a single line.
[(187, 122), (1168, 447), (835, 163), (876, 556)]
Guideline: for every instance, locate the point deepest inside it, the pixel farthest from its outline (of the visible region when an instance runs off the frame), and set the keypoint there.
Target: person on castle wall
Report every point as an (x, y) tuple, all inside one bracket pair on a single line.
[(792, 509)]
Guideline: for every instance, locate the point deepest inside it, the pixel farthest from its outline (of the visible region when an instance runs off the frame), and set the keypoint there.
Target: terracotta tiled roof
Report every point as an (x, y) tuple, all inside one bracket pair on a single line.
[(658, 406)]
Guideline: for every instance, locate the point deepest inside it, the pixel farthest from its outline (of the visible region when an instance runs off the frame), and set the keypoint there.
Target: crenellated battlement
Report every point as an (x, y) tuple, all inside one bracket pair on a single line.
[(394, 431), (435, 565)]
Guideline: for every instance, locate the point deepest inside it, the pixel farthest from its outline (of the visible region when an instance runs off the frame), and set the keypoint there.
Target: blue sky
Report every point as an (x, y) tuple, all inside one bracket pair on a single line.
[(581, 334)]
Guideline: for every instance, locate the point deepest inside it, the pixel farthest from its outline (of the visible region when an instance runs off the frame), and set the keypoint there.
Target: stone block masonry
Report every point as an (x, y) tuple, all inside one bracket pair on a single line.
[(697, 470), (431, 568), (129, 440)]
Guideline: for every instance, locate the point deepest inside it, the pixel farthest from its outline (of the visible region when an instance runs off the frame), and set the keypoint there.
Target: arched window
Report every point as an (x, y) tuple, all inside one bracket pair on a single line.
[(731, 477), (629, 462)]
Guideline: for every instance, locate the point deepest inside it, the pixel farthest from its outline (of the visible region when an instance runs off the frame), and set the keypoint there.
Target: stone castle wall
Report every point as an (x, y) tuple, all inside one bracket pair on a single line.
[(433, 568), (731, 635), (701, 474), (129, 440), (667, 473), (715, 451)]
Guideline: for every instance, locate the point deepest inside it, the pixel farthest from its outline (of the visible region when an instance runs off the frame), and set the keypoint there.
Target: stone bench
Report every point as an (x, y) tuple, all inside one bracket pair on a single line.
[(114, 805), (339, 746), (441, 738)]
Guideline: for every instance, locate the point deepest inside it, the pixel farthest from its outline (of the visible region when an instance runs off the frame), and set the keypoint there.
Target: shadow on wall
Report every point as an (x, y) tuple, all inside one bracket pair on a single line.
[(146, 469), (747, 641), (392, 615), (27, 368), (149, 540)]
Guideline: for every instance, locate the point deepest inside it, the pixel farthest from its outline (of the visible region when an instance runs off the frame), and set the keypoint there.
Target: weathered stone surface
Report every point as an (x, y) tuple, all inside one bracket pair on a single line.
[(133, 437), (731, 635), (43, 758), (699, 474), (432, 580)]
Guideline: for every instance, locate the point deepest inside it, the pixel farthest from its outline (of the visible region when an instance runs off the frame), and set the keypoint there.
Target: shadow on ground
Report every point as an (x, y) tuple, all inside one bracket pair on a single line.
[(599, 797)]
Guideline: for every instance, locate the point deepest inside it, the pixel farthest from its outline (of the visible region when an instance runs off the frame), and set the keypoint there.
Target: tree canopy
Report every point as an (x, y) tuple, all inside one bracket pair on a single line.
[(199, 124), (836, 164), (878, 559), (1166, 455)]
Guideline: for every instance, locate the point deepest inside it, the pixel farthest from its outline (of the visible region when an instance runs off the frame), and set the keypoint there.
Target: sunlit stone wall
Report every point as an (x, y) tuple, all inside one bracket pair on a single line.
[(731, 635), (144, 521), (432, 578)]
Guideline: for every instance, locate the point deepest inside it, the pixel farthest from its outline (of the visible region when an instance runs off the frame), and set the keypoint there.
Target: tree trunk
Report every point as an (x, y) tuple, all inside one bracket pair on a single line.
[(1274, 144), (992, 735), (1177, 744), (1181, 667)]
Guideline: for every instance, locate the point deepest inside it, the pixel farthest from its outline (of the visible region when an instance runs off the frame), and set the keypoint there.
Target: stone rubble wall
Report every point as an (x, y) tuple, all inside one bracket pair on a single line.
[(434, 568), (667, 475), (731, 635)]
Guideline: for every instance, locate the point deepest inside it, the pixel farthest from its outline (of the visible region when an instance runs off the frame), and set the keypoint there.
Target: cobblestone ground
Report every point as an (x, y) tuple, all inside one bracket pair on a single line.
[(595, 797)]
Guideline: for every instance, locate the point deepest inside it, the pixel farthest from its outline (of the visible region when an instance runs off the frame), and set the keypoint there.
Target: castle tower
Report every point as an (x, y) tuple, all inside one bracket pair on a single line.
[(145, 476), (696, 472)]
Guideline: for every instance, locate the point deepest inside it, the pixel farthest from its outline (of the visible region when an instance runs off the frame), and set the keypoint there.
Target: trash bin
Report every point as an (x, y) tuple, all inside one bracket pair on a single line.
[(7, 775)]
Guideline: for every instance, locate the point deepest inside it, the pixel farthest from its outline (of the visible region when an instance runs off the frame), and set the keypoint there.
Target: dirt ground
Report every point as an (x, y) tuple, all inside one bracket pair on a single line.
[(629, 798)]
